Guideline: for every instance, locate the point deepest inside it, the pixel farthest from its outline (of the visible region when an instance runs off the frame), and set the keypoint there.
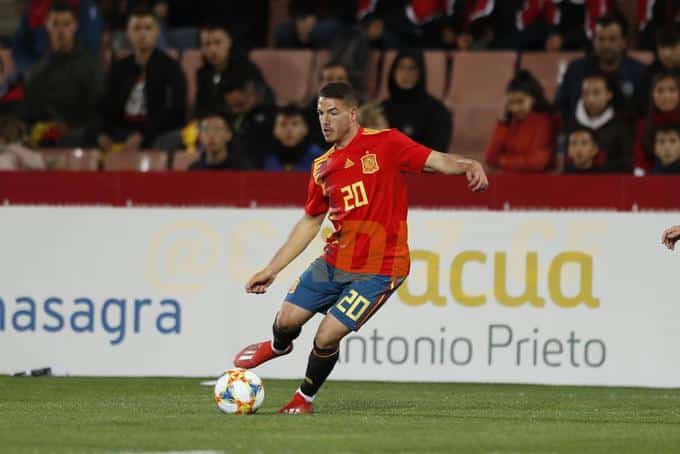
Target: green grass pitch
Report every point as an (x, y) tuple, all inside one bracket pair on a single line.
[(55, 415)]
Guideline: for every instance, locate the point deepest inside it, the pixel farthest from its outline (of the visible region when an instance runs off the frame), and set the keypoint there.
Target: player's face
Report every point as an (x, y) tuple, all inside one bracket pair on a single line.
[(143, 32), (290, 130), (406, 74), (214, 134), (336, 118), (665, 94), (581, 148), (61, 28), (595, 95), (215, 46), (519, 104), (334, 74), (609, 42), (667, 147)]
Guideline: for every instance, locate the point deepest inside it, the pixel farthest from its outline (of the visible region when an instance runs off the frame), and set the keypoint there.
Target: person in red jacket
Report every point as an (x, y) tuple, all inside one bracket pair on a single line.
[(524, 139), (664, 111)]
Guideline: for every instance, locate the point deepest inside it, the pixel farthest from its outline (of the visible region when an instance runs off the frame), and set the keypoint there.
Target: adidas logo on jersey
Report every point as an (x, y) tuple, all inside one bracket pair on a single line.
[(348, 163)]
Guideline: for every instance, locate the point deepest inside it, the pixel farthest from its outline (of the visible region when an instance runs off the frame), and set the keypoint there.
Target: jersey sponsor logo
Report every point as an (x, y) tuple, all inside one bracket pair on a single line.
[(348, 163), (369, 163)]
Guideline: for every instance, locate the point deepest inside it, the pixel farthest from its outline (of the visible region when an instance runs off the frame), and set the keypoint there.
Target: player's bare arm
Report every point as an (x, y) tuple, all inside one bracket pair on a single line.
[(670, 236), (302, 234), (453, 164)]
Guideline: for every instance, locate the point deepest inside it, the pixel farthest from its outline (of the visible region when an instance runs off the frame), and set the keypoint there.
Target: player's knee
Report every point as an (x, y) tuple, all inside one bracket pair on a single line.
[(285, 322), (326, 342)]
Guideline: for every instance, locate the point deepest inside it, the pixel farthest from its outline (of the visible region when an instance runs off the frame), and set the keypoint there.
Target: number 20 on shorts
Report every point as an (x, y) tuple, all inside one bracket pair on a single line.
[(353, 305)]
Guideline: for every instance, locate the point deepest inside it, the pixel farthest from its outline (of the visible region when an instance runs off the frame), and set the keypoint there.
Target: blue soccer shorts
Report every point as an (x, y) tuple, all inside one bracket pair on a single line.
[(351, 298)]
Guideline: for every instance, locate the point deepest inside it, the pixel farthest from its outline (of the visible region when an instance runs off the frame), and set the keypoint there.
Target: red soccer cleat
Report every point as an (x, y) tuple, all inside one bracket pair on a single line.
[(297, 406), (256, 354)]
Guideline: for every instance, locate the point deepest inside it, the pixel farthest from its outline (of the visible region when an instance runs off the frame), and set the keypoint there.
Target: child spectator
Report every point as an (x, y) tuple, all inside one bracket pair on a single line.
[(524, 139), (664, 111), (667, 150), (13, 154), (583, 154), (216, 150), (292, 148)]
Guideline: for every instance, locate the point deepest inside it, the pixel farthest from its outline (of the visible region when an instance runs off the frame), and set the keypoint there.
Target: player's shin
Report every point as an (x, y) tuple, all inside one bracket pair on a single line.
[(319, 367), (283, 338)]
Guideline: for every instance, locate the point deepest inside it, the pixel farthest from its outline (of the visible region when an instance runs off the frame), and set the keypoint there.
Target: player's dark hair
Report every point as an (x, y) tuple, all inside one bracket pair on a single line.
[(291, 110), (613, 19), (342, 91), (142, 11), (62, 6)]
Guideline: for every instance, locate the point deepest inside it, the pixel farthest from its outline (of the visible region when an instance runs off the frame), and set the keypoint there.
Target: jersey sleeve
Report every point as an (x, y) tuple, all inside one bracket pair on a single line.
[(411, 155), (317, 202)]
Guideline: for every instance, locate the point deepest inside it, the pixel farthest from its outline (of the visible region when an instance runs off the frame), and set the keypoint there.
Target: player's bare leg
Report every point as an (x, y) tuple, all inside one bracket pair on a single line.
[(287, 326), (322, 359)]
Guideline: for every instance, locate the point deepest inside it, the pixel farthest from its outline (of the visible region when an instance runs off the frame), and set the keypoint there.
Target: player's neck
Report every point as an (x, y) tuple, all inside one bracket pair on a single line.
[(347, 138)]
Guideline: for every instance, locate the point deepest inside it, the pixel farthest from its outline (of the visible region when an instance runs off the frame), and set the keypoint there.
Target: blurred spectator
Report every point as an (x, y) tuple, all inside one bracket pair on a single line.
[(248, 21), (333, 71), (116, 14), (31, 41), (220, 60), (443, 24), (386, 24), (372, 116), (292, 150), (146, 91), (653, 16), (523, 140), (13, 154), (62, 88), (411, 109), (667, 150), (609, 57), (665, 111), (11, 91), (250, 117), (667, 59), (314, 23), (597, 112), (583, 154), (216, 149)]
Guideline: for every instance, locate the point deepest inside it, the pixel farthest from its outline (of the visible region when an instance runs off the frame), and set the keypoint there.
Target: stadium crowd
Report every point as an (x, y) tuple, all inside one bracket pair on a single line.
[(105, 75)]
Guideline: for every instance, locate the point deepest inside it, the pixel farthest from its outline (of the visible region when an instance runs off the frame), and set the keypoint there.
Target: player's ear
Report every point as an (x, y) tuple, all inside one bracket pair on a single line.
[(354, 113)]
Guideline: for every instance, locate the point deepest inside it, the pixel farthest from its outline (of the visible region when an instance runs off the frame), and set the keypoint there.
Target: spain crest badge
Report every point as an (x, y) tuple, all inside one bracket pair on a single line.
[(369, 163)]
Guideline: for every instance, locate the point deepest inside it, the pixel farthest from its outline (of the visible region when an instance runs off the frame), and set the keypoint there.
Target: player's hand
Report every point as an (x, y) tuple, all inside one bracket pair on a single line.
[(477, 180), (670, 236), (260, 281)]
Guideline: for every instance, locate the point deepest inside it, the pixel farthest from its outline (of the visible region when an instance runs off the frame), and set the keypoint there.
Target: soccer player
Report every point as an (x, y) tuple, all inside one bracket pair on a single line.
[(670, 236), (359, 183)]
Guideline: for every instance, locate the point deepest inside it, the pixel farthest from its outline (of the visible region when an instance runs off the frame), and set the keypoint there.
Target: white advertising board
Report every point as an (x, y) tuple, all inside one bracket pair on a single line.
[(530, 297)]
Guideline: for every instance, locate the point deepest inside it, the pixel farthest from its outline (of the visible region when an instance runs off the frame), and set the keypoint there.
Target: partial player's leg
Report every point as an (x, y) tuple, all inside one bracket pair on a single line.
[(355, 306), (313, 292), (321, 361), (286, 328)]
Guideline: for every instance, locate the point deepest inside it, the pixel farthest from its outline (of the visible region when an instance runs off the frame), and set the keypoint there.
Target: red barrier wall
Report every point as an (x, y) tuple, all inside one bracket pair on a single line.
[(244, 189)]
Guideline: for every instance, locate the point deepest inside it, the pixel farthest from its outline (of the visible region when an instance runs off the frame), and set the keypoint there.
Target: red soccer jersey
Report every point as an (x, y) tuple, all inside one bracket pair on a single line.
[(363, 189)]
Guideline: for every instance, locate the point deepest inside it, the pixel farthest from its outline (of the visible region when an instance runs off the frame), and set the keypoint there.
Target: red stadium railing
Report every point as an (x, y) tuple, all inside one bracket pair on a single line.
[(247, 189)]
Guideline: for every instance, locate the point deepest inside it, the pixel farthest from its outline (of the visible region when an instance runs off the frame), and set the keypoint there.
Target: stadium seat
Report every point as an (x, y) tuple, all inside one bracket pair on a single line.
[(288, 72), (182, 160), (142, 161), (191, 61), (76, 159), (548, 68), (476, 94), (435, 66)]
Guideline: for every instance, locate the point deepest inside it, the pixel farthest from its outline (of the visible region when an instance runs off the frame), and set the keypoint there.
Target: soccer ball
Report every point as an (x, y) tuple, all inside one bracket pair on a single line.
[(239, 391)]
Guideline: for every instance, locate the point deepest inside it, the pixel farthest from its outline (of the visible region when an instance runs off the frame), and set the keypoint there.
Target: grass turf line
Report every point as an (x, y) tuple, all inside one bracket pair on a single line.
[(174, 414)]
